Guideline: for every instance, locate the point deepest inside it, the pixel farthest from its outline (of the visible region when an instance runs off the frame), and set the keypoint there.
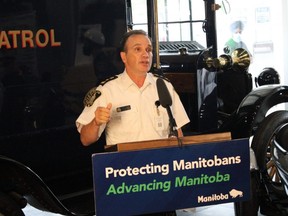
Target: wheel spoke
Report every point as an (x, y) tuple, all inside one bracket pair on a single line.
[(270, 164)]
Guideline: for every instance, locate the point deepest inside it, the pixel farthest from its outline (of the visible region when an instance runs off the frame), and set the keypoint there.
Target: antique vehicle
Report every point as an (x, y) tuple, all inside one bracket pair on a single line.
[(260, 116), (253, 119), (271, 151)]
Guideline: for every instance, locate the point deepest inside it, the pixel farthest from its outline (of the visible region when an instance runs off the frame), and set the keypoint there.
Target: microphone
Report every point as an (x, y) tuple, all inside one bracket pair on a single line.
[(163, 93), (166, 102)]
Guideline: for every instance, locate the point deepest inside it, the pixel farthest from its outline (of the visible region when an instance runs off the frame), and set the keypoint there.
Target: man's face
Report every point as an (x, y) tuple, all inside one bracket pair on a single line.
[(138, 54)]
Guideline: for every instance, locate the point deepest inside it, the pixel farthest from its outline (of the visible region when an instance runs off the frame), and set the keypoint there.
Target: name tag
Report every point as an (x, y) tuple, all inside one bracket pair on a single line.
[(123, 108)]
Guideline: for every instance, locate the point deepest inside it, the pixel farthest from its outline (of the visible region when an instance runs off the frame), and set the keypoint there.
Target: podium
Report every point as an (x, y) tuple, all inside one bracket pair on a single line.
[(169, 142), (160, 175)]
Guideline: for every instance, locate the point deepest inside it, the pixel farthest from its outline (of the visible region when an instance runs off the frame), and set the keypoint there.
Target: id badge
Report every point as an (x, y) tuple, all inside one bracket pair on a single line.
[(159, 122)]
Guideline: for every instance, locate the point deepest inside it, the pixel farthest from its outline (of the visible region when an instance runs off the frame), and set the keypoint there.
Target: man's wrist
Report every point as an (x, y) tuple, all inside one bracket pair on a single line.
[(95, 123)]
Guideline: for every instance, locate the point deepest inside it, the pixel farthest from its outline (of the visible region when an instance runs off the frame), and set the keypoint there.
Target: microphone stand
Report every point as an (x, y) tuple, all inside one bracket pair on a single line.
[(165, 101), (172, 124), (173, 127)]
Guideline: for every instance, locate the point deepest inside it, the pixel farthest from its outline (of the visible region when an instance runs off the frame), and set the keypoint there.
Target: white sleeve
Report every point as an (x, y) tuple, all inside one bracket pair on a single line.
[(88, 112)]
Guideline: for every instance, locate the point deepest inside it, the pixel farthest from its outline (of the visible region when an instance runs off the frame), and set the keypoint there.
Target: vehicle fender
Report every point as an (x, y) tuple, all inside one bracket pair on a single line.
[(277, 95)]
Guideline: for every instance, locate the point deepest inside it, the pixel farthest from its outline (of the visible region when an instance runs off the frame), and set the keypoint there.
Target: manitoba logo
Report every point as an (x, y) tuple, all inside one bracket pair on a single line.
[(222, 196), (235, 193)]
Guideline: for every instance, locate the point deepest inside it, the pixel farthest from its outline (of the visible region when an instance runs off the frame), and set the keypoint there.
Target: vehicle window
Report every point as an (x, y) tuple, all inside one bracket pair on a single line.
[(179, 20)]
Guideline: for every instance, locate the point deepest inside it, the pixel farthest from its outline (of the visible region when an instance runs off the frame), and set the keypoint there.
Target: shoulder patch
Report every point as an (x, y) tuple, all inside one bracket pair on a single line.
[(161, 76), (91, 96), (108, 79)]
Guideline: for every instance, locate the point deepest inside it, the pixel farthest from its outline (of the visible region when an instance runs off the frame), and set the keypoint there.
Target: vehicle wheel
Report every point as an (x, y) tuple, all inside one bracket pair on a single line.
[(250, 207), (261, 145)]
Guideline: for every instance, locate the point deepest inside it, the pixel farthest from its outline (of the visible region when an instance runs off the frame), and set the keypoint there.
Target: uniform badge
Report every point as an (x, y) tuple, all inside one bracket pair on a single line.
[(91, 96)]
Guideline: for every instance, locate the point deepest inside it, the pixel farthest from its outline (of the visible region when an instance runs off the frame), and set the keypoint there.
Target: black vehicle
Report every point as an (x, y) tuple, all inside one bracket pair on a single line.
[(47, 50), (257, 118), (253, 120), (270, 150)]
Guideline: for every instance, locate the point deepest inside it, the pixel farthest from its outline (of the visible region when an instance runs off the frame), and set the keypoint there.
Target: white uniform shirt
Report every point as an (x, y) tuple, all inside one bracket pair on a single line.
[(134, 115)]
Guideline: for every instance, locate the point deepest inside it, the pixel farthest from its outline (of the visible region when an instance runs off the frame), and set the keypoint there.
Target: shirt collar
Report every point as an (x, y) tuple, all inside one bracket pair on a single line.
[(127, 81)]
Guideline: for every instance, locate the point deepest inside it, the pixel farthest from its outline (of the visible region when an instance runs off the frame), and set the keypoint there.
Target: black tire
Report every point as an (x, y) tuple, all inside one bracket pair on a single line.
[(261, 145), (250, 207)]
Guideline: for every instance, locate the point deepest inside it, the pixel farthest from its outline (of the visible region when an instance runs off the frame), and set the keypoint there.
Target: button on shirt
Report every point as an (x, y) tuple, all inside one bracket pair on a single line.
[(134, 114)]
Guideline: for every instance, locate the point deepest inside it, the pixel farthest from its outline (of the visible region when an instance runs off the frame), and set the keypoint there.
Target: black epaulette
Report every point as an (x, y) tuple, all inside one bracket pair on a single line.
[(108, 79), (161, 76)]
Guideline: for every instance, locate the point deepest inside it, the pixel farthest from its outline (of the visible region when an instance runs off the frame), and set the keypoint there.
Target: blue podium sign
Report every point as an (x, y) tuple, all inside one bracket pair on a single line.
[(165, 179)]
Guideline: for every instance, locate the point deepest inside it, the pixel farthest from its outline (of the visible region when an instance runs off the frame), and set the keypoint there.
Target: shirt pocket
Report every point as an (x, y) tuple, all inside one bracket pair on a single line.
[(124, 120)]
